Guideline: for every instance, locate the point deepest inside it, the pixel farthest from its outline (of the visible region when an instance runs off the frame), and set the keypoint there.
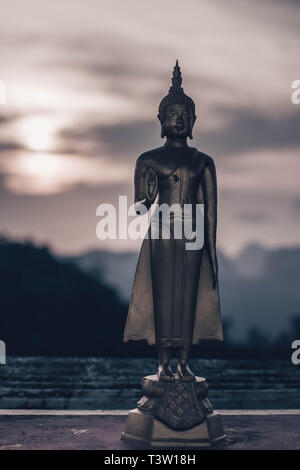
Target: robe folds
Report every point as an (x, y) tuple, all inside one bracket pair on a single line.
[(180, 182)]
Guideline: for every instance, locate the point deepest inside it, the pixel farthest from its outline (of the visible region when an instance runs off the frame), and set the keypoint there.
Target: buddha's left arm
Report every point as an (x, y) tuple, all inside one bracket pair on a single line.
[(210, 214)]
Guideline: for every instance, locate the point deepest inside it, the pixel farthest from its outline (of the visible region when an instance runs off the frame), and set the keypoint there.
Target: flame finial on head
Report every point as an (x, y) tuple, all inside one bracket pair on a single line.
[(176, 95), (177, 78)]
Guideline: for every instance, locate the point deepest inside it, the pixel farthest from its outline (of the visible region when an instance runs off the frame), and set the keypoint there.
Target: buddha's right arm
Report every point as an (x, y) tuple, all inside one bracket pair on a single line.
[(145, 187)]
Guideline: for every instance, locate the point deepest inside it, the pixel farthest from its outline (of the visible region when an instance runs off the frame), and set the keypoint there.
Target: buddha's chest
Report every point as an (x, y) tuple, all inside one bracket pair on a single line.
[(178, 178), (174, 168), (178, 181)]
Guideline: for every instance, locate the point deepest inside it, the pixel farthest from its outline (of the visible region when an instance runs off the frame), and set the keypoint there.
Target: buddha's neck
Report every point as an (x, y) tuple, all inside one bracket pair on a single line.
[(176, 143)]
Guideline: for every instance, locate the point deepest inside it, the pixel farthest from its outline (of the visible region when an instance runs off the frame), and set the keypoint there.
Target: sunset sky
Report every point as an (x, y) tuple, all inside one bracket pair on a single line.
[(84, 80)]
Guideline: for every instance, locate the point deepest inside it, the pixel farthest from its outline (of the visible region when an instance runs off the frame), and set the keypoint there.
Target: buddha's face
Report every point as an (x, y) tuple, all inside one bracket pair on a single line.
[(177, 121)]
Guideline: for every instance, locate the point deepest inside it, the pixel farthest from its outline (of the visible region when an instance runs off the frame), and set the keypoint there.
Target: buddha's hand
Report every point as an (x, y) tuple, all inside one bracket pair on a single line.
[(141, 207)]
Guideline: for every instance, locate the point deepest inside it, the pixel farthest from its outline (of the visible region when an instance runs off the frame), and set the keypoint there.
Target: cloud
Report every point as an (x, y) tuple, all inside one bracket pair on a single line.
[(100, 68), (9, 117), (247, 131), (255, 217), (122, 141), (10, 146), (296, 204), (243, 133), (266, 172), (42, 173), (65, 221)]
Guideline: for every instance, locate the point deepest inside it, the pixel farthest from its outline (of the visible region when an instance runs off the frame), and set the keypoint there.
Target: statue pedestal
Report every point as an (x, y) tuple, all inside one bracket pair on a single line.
[(174, 413)]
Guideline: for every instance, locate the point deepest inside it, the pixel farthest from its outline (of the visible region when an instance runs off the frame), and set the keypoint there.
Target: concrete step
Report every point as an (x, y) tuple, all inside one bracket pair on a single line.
[(93, 383)]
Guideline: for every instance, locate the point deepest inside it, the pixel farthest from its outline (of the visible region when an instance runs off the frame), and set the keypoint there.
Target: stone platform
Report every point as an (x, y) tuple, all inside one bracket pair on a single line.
[(33, 429), (174, 412)]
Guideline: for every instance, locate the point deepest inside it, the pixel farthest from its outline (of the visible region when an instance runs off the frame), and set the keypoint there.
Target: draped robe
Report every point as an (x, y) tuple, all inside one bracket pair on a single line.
[(173, 300)]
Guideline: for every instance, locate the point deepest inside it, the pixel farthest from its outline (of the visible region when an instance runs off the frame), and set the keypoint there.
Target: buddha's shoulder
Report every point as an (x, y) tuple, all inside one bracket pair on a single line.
[(202, 157), (151, 156), (154, 156)]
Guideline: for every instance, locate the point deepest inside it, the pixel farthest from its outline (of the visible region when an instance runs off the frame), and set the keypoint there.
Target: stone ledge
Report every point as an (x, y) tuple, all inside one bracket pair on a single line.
[(80, 429), (33, 412)]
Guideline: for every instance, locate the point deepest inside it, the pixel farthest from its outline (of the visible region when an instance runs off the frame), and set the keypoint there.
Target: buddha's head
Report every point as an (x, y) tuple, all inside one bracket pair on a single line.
[(177, 110)]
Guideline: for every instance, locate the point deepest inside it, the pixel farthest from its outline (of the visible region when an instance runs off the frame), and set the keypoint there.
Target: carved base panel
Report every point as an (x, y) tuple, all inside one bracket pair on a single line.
[(174, 413), (144, 429)]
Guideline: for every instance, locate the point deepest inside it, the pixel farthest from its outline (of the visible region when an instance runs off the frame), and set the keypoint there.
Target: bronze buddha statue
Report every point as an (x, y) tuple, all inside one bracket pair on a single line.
[(175, 296)]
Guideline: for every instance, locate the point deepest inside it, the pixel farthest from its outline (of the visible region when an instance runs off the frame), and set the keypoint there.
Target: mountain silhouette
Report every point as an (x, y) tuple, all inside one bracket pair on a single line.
[(54, 306), (259, 288), (51, 307)]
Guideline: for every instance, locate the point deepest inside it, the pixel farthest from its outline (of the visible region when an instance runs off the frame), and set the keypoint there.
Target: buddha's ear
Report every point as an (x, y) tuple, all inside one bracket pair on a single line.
[(162, 131), (192, 122)]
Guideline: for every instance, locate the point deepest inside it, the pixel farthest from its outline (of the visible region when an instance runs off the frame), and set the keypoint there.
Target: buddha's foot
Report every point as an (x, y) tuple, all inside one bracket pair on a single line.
[(164, 372), (184, 372)]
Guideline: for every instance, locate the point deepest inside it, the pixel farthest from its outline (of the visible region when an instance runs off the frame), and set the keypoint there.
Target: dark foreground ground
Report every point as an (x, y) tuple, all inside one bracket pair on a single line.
[(92, 432)]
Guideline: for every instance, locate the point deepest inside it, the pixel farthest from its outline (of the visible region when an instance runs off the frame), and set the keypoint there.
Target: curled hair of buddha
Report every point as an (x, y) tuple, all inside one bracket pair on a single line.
[(176, 95)]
